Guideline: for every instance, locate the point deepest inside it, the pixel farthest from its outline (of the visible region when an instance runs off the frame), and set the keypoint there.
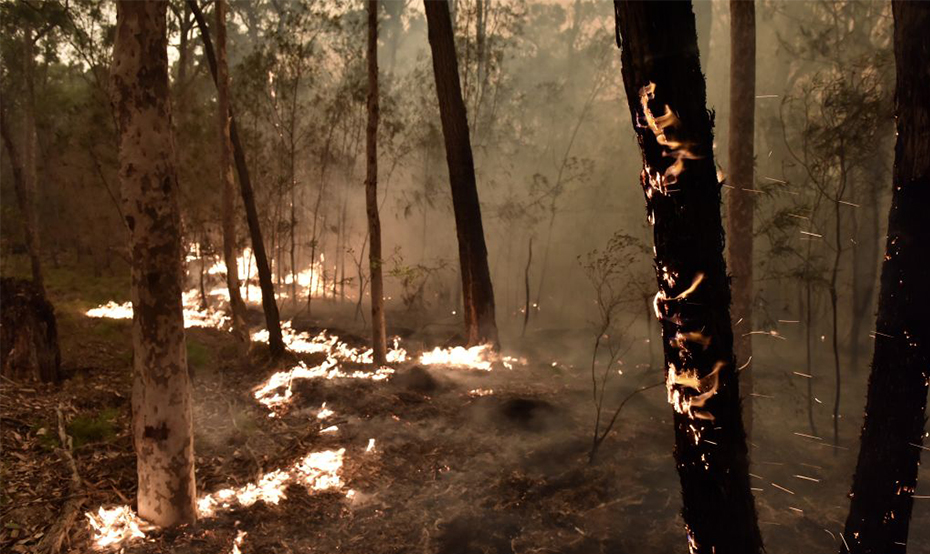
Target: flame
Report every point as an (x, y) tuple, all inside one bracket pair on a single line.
[(317, 471), (477, 357), (673, 149), (114, 526), (237, 542), (684, 403)]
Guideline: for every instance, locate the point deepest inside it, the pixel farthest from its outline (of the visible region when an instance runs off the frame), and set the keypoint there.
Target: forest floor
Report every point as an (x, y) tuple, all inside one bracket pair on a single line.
[(431, 459)]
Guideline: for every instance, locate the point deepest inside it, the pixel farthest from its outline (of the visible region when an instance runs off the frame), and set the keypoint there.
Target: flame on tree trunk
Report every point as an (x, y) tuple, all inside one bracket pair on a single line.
[(237, 306), (161, 400), (379, 339), (895, 412), (477, 292), (740, 201), (666, 95), (269, 304)]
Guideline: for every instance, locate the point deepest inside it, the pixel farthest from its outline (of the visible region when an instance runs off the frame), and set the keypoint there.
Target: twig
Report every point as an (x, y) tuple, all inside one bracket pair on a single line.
[(51, 543)]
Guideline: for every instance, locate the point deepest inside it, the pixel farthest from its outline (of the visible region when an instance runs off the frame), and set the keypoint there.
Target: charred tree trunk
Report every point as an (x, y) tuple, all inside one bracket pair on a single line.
[(269, 303), (889, 453), (162, 410), (666, 95), (739, 200), (230, 252), (477, 292), (28, 333), (379, 339)]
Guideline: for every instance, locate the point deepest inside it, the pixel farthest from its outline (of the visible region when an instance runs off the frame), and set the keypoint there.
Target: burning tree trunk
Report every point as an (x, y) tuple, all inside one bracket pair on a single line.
[(162, 418), (269, 304), (237, 306), (889, 453), (478, 294), (666, 95), (379, 340), (740, 200)]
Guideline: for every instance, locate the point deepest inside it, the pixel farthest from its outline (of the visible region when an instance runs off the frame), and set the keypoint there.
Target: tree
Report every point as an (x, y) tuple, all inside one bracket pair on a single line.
[(666, 95), (477, 291), (740, 201), (895, 412), (375, 262), (162, 411), (230, 252), (269, 303)]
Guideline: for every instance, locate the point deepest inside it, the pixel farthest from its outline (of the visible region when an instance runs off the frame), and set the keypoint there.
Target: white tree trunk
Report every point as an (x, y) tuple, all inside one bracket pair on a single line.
[(162, 419)]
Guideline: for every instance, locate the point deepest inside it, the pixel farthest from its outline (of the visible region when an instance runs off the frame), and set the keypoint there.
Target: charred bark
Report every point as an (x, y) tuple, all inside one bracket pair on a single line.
[(269, 303), (666, 95), (740, 201), (161, 402), (892, 435), (379, 339), (28, 333), (230, 252), (477, 291)]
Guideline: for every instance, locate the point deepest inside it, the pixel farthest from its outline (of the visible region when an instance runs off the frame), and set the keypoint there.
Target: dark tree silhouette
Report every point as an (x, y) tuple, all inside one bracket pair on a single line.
[(269, 304), (666, 94), (895, 412), (739, 200), (379, 340), (477, 292)]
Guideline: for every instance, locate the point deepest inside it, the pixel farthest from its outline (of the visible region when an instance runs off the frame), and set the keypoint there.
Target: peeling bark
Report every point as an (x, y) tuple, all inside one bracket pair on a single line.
[(161, 401)]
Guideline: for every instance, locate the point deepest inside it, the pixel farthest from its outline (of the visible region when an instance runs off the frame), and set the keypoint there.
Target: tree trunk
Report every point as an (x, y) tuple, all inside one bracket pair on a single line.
[(662, 76), (739, 200), (28, 333), (892, 435), (478, 294), (162, 418), (230, 252), (379, 339), (269, 304), (24, 170)]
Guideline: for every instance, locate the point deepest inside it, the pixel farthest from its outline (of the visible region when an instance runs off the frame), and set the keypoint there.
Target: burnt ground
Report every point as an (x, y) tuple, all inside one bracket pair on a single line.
[(452, 472)]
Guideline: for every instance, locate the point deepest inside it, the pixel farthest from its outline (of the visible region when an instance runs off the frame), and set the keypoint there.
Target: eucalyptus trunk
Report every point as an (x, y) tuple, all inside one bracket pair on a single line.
[(161, 401)]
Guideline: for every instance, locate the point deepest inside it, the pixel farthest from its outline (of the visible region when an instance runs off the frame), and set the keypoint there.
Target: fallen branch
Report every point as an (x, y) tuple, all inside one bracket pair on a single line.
[(51, 543)]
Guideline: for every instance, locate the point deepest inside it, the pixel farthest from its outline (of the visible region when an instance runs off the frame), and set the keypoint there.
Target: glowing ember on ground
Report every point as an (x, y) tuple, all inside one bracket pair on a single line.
[(480, 392), (237, 542), (111, 310), (114, 526), (270, 395)]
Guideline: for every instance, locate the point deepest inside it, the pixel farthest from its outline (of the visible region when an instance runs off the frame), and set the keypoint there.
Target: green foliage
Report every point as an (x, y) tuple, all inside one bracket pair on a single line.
[(199, 355), (90, 429)]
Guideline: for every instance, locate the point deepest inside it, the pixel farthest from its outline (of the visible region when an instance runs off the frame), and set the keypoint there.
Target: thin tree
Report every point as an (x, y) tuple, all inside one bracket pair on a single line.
[(740, 200), (230, 252), (477, 291), (379, 339), (892, 434), (161, 401), (666, 94), (269, 303)]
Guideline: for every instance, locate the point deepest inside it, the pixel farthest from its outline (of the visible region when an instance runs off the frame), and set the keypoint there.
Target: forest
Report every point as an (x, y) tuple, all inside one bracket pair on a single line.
[(464, 276)]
